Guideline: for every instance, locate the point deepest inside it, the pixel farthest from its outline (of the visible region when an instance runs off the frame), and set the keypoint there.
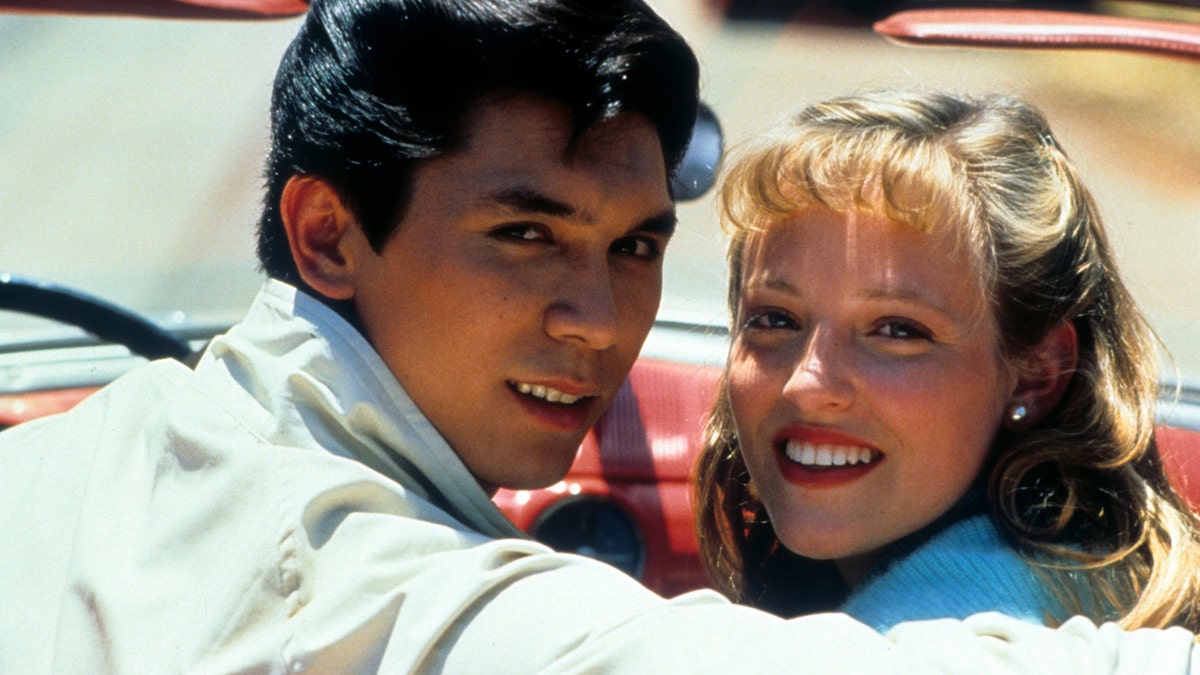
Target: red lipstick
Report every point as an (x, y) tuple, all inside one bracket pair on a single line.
[(823, 458)]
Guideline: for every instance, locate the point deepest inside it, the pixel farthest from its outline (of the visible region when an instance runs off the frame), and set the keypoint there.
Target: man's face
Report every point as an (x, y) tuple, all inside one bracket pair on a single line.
[(515, 294)]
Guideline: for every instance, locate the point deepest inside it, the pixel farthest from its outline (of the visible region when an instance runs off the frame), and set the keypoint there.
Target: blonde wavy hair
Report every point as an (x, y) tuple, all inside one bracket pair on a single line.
[(1082, 494)]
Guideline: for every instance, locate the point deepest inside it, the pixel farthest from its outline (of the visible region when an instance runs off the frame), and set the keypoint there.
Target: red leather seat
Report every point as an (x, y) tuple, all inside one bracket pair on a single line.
[(1180, 450)]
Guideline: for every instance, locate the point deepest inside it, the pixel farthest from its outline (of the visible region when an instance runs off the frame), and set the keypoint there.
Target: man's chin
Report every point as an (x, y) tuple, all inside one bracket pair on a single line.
[(548, 473), (539, 482)]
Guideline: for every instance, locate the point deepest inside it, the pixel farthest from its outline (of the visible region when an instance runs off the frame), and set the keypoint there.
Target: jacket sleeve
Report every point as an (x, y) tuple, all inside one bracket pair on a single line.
[(561, 614), (391, 585)]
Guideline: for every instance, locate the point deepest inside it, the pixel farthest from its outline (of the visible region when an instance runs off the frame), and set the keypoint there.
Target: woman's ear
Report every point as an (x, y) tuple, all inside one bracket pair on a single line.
[(320, 231), (1044, 376)]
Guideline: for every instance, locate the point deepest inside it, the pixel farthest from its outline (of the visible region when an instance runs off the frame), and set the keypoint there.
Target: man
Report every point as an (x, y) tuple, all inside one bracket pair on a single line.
[(466, 210)]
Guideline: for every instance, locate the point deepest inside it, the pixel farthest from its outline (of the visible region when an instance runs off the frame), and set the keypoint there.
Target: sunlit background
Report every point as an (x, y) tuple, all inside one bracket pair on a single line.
[(131, 149)]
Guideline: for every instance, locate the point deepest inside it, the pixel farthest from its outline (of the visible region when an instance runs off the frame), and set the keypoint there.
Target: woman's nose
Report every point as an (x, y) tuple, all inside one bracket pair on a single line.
[(821, 375)]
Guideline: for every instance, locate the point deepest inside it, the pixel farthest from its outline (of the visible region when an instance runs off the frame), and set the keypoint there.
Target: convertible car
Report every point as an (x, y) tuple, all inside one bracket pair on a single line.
[(128, 191)]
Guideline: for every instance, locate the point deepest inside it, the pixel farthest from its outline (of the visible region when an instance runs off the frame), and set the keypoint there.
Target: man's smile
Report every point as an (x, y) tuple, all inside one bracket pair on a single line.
[(549, 394)]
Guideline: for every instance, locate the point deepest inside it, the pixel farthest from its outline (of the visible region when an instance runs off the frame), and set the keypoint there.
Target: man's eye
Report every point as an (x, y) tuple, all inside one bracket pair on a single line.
[(521, 232), (637, 247), (898, 329)]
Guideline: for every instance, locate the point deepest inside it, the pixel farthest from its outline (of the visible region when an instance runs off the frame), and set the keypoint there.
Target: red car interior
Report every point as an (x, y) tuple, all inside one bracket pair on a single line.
[(639, 456), (1027, 28)]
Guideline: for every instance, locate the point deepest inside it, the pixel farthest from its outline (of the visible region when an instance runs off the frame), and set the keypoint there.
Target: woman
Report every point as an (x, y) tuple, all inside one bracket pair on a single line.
[(940, 396)]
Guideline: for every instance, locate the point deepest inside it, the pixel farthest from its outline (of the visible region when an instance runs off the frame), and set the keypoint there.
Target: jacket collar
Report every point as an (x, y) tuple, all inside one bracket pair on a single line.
[(324, 387)]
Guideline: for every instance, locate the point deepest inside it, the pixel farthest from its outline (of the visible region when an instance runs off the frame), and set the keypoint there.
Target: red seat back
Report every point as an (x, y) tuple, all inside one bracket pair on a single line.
[(1180, 451)]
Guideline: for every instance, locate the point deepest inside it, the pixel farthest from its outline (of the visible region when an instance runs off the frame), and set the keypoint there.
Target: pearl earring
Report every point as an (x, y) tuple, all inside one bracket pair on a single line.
[(1018, 413)]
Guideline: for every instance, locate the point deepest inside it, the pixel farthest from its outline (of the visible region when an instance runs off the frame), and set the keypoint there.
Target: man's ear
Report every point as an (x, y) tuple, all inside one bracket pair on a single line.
[(321, 232), (1044, 376)]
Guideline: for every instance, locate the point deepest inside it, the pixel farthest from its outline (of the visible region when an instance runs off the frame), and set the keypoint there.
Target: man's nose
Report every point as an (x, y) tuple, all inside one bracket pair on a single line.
[(584, 309)]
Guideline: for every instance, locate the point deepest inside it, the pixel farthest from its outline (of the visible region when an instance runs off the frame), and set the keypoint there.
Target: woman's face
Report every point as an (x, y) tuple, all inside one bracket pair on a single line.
[(864, 378)]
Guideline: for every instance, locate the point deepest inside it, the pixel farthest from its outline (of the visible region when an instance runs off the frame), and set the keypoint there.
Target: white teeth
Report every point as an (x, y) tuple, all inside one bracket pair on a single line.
[(824, 455), (546, 393), (809, 454)]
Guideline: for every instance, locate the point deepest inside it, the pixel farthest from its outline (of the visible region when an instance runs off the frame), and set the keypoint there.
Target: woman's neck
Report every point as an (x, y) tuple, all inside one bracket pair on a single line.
[(854, 568)]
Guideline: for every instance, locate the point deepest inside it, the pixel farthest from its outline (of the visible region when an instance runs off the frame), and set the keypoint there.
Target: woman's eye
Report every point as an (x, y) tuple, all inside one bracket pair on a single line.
[(898, 329), (637, 247), (768, 320)]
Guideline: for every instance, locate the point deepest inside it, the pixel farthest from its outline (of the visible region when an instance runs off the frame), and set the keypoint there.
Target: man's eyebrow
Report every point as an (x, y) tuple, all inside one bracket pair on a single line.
[(527, 200), (662, 224)]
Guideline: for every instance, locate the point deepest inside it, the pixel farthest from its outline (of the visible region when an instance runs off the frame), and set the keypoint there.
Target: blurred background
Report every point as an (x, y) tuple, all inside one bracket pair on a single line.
[(131, 149)]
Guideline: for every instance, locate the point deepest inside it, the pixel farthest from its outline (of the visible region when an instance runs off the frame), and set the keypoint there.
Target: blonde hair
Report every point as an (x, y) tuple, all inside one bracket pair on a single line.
[(1083, 493)]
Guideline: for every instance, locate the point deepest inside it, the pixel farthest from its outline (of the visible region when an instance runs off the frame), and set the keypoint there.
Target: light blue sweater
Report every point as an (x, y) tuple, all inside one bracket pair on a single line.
[(964, 569)]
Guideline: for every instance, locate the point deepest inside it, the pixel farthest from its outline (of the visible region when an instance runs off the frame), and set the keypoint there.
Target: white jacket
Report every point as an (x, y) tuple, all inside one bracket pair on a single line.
[(285, 507)]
